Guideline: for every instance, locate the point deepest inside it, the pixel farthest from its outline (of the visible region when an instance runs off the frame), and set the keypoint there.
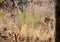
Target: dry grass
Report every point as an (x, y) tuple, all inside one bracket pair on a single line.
[(31, 23)]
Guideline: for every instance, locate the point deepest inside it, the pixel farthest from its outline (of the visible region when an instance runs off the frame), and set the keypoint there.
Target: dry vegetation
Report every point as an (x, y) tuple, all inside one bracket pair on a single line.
[(35, 24)]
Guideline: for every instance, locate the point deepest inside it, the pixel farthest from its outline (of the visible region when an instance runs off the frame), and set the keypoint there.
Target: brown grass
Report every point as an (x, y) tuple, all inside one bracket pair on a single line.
[(38, 29)]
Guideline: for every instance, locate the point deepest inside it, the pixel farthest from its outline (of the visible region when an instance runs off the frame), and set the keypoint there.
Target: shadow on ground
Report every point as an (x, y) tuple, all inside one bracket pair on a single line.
[(57, 21)]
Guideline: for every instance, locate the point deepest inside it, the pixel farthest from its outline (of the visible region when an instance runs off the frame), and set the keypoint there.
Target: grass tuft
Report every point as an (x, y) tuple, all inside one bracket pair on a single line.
[(34, 18), (1, 14), (23, 16)]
